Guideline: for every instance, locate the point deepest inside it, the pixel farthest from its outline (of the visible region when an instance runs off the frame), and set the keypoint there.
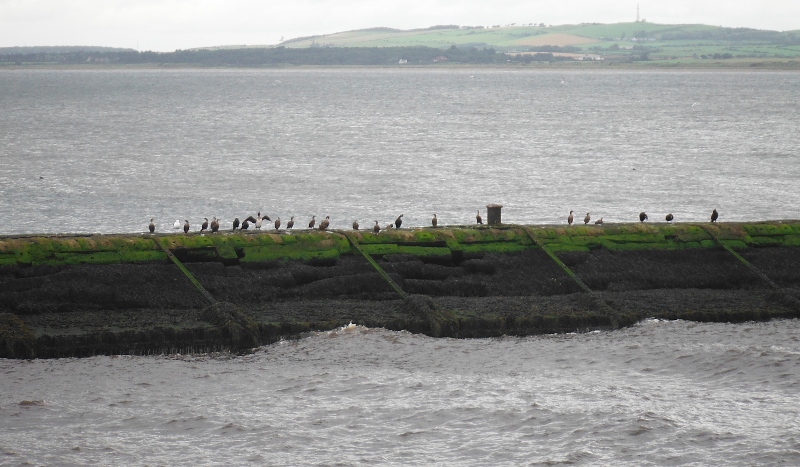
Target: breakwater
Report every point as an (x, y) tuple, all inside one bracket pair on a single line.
[(141, 293)]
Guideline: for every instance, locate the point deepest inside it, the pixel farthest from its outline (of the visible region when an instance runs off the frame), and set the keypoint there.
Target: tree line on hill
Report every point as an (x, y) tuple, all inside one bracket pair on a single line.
[(732, 34), (253, 57), (58, 49)]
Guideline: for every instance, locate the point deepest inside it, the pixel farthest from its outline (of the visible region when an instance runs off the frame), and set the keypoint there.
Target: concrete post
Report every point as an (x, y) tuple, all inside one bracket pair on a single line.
[(493, 214)]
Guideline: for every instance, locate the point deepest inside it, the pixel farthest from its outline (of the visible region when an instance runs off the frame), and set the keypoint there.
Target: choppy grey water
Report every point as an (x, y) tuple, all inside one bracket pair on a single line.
[(659, 393), (115, 148), (118, 147)]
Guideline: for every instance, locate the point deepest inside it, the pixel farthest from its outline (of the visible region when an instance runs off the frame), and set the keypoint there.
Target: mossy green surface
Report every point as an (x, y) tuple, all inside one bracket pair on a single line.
[(631, 246), (735, 244), (255, 246), (791, 240), (423, 251), (260, 254), (501, 247), (99, 257), (768, 229), (186, 241), (764, 241), (561, 247), (373, 249), (687, 234), (227, 252)]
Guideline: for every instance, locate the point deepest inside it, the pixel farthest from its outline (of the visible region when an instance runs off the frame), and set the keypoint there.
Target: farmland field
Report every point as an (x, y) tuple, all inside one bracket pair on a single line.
[(620, 41)]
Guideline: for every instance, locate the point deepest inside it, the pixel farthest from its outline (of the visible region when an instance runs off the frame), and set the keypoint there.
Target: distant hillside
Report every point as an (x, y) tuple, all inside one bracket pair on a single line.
[(640, 40), (59, 49), (272, 56), (233, 47), (627, 44)]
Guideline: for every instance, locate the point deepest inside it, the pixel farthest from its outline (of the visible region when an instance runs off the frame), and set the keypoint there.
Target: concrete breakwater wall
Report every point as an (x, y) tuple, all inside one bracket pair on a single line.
[(106, 294)]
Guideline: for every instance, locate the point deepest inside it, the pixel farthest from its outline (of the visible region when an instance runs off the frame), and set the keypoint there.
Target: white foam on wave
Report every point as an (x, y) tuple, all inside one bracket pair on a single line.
[(349, 328)]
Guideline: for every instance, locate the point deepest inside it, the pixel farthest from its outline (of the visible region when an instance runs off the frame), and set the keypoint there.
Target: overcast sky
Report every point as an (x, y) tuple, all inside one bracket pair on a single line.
[(166, 25)]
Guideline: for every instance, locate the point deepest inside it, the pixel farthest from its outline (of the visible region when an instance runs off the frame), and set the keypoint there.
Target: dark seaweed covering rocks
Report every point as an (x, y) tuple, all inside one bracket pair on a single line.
[(79, 310)]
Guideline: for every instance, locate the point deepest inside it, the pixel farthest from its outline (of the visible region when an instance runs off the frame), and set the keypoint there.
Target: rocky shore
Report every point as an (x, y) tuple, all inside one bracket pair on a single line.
[(82, 296)]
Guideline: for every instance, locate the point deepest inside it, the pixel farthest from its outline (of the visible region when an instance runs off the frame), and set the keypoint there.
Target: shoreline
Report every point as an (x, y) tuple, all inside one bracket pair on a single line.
[(756, 65)]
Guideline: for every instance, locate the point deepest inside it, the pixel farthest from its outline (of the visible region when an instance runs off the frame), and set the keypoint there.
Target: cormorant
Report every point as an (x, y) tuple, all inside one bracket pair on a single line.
[(478, 218), (251, 219), (204, 226), (236, 223), (586, 219), (399, 221), (258, 222), (599, 221), (434, 221), (570, 218), (214, 224), (186, 226), (312, 222), (355, 224), (245, 224), (325, 223), (152, 226), (277, 223), (714, 216), (290, 224), (669, 217), (376, 228), (642, 216)]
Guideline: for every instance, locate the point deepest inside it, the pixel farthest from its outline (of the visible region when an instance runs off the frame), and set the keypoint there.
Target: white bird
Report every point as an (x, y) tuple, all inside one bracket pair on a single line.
[(177, 225)]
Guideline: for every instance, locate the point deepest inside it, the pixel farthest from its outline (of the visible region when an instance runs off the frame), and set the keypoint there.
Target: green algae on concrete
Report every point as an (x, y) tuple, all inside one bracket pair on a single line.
[(495, 248), (257, 246), (771, 229), (304, 246), (58, 250), (260, 254), (392, 249)]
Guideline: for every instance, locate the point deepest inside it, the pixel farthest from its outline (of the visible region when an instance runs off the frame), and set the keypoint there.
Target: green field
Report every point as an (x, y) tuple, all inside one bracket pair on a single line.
[(621, 41)]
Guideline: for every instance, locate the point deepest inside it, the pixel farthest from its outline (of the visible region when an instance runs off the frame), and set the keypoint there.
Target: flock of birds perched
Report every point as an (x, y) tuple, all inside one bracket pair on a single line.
[(642, 217), (258, 222)]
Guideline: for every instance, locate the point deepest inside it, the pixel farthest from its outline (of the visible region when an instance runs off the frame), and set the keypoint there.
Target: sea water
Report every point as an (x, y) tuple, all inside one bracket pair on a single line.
[(659, 393), (106, 150)]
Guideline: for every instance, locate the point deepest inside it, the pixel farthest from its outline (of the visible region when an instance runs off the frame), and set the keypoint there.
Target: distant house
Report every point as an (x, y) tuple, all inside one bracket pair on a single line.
[(440, 58)]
